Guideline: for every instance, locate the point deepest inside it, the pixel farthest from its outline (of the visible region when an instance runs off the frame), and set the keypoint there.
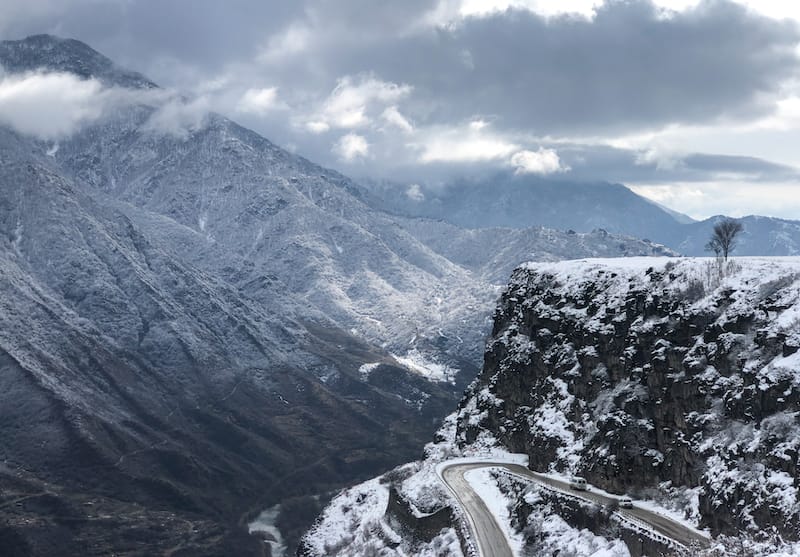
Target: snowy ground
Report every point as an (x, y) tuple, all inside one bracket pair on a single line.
[(416, 362), (349, 524), (486, 487)]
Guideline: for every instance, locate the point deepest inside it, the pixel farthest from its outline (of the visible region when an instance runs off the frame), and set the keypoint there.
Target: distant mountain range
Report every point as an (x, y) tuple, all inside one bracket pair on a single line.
[(522, 201), (195, 326)]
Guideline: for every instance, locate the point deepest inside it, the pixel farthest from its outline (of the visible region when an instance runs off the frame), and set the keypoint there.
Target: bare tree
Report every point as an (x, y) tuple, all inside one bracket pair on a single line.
[(723, 239)]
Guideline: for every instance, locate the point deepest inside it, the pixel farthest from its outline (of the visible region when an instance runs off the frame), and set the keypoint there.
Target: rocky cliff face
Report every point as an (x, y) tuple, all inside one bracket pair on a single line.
[(652, 374)]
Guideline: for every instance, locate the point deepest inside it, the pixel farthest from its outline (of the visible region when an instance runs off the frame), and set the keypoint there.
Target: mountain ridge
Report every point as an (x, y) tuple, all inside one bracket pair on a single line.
[(52, 53), (512, 201)]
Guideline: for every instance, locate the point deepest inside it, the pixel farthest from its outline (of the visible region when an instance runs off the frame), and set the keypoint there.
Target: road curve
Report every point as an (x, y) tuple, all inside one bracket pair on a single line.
[(485, 530), (489, 536)]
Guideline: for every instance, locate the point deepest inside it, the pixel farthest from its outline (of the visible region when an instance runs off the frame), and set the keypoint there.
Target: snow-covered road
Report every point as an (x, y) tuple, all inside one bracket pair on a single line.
[(487, 532), (491, 539)]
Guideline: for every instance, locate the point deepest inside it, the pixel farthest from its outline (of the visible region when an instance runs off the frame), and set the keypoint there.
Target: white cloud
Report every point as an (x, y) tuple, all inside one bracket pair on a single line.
[(352, 99), (317, 126), (351, 147), (468, 149), (772, 138), (179, 117), (662, 158), (51, 105), (777, 9), (478, 125), (295, 39), (543, 161), (414, 193), (451, 9), (393, 116), (259, 101), (701, 200), (470, 143)]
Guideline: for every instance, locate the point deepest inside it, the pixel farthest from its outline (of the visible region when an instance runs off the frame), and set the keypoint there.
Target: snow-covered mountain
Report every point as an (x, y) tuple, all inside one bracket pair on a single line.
[(520, 201), (197, 324), (672, 381), (136, 385), (494, 253), (49, 53)]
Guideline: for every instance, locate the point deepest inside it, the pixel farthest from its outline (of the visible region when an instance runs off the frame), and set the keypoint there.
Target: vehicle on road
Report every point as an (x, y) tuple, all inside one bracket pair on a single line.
[(578, 483), (625, 503)]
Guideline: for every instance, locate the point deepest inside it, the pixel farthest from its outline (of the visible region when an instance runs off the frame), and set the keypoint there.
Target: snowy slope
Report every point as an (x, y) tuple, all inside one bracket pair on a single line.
[(510, 200), (163, 383), (494, 253)]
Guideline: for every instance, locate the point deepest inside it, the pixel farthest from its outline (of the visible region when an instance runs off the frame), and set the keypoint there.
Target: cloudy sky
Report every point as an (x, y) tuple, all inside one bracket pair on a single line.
[(695, 104)]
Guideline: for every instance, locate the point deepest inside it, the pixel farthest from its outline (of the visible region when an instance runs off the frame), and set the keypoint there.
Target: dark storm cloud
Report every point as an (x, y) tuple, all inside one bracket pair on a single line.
[(589, 162), (356, 17), (628, 68), (757, 169)]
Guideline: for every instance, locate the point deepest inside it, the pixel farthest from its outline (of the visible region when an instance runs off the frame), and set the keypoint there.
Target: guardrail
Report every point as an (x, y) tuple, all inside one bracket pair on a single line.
[(632, 523), (464, 526), (639, 526), (464, 522), (645, 529)]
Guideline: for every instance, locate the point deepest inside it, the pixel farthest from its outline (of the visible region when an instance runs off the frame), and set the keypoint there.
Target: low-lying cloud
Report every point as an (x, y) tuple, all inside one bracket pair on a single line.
[(464, 144), (351, 147), (260, 101), (52, 105), (542, 161), (178, 117), (353, 99)]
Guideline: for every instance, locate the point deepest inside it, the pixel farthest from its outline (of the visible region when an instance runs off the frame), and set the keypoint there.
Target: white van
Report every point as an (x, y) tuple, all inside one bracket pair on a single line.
[(578, 483), (625, 503)]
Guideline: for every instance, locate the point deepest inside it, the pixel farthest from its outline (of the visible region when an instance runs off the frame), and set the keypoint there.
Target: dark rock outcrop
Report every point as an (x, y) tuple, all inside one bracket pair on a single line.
[(639, 374)]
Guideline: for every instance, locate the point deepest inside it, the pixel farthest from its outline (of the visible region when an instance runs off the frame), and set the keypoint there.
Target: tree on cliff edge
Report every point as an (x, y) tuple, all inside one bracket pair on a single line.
[(723, 238)]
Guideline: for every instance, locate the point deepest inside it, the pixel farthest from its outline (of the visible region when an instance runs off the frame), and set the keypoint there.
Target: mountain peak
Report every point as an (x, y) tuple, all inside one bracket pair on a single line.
[(52, 53)]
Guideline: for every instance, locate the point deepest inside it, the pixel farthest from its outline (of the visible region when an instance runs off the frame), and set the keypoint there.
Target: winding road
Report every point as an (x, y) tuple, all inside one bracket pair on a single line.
[(489, 535)]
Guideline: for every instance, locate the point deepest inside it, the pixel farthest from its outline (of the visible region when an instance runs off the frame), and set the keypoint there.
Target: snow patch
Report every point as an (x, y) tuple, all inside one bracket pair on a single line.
[(497, 502), (366, 369), (418, 363)]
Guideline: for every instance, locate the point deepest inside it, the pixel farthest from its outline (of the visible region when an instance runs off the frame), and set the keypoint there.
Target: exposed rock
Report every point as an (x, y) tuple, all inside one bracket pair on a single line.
[(650, 371)]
